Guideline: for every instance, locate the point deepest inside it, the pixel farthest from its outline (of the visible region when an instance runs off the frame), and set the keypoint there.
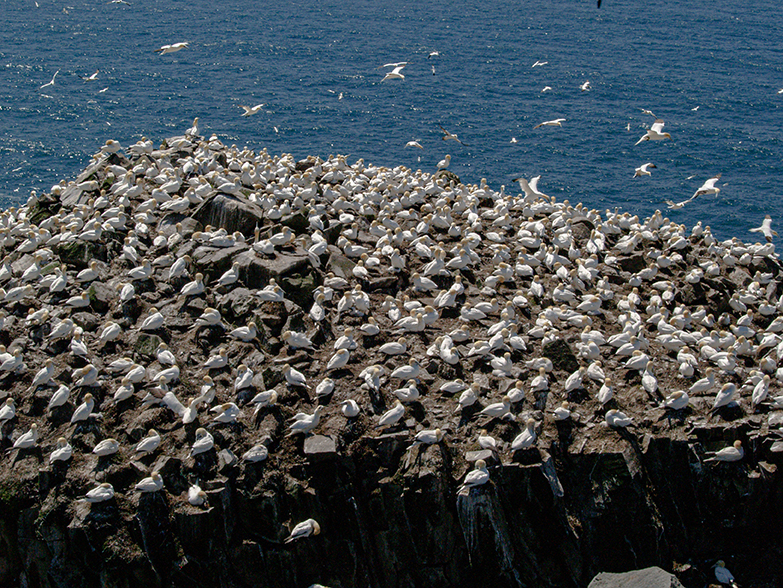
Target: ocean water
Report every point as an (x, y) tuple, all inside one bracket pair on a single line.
[(710, 69)]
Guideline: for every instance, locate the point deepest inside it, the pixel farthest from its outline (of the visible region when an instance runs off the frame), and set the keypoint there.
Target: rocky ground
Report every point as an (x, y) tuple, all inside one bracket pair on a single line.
[(577, 498)]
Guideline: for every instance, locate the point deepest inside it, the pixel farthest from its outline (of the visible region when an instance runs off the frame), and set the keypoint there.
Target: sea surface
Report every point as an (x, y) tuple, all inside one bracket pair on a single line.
[(710, 69)]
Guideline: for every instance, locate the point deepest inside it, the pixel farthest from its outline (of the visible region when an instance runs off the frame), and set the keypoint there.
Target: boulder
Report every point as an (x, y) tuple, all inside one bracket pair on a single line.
[(653, 577)]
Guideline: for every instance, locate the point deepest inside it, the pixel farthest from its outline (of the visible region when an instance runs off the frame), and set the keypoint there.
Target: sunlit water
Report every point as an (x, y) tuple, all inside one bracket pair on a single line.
[(711, 70)]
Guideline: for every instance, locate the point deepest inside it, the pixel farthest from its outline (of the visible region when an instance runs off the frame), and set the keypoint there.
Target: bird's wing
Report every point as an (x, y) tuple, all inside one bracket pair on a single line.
[(657, 126), (534, 183)]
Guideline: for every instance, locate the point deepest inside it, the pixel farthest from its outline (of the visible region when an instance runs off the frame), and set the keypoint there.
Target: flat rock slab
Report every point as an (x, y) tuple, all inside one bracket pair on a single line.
[(485, 454), (653, 577), (320, 446)]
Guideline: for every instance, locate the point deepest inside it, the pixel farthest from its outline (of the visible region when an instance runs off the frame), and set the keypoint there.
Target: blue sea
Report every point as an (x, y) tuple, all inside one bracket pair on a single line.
[(710, 69)]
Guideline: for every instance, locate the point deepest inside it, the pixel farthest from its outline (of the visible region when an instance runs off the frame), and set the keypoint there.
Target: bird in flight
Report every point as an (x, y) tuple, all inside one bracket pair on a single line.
[(91, 78), (251, 110), (655, 133), (546, 88), (650, 112), (414, 144), (765, 229), (708, 187), (394, 74), (50, 83), (433, 54), (551, 123), (643, 170), (585, 87), (538, 63), (451, 136), (173, 48)]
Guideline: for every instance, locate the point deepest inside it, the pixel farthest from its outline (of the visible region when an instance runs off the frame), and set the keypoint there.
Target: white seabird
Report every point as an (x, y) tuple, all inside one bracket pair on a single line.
[(476, 477), (304, 529)]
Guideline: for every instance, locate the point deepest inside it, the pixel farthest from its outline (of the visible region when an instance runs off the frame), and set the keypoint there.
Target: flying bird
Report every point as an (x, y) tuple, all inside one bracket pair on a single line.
[(585, 87), (50, 83), (551, 123), (451, 136), (708, 187), (538, 63), (765, 229), (414, 144), (394, 74), (643, 170), (251, 110), (173, 48), (92, 77), (655, 133)]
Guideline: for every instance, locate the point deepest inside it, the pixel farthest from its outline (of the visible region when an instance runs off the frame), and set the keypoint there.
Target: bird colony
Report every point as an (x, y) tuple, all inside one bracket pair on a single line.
[(461, 318)]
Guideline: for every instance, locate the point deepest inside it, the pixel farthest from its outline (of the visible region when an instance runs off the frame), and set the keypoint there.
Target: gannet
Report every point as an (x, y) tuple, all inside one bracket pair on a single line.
[(100, 493), (150, 443), (174, 47), (62, 451), (708, 187), (394, 74), (83, 411), (447, 136), (204, 442), (655, 133), (196, 496), (615, 418), (497, 409), (427, 437), (151, 484), (258, 452), (476, 477), (350, 408), (251, 110), (50, 82), (28, 439), (294, 377), (551, 123), (391, 416), (106, 447), (733, 453), (724, 396), (263, 399), (226, 413), (643, 170), (304, 529), (526, 438), (153, 322), (765, 229), (324, 388), (307, 423)]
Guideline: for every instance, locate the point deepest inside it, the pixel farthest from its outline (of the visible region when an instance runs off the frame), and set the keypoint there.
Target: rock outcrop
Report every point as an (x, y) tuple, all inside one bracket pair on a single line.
[(563, 294)]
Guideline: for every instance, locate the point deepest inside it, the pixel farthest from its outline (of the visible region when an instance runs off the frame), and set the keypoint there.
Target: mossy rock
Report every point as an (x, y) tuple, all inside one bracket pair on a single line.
[(299, 289), (561, 355), (42, 210), (450, 176), (78, 255), (147, 344)]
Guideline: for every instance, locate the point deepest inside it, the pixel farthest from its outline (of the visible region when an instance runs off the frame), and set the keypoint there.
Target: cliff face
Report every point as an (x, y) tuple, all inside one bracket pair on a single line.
[(391, 518), (582, 498)]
